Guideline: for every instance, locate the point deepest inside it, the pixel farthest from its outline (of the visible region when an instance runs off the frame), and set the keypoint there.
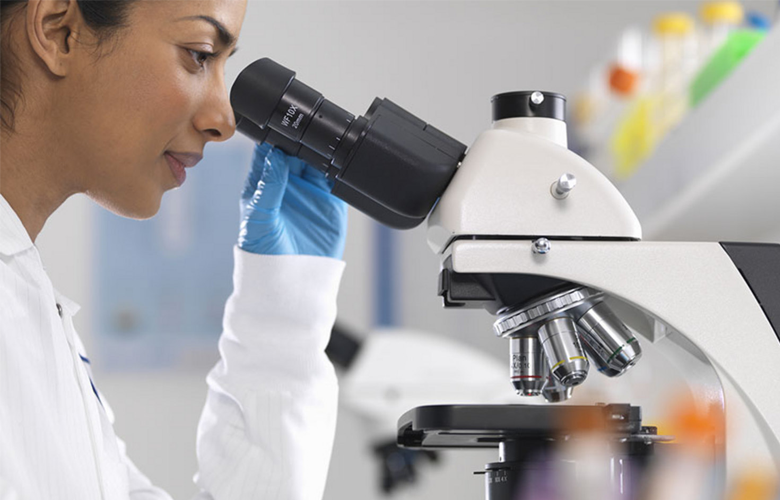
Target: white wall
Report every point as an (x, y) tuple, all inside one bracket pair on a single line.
[(442, 61)]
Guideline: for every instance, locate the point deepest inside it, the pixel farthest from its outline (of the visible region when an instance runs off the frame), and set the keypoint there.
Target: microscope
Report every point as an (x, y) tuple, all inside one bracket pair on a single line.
[(539, 238)]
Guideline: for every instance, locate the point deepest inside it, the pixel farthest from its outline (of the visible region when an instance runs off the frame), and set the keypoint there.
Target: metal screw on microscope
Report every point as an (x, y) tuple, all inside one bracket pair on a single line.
[(563, 186), (542, 246), (537, 98)]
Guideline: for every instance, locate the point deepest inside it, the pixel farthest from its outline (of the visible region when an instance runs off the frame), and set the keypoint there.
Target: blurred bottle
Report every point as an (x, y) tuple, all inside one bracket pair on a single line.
[(757, 21), (590, 447), (690, 468), (677, 46), (719, 20), (610, 90), (731, 45), (760, 483), (670, 62), (588, 106)]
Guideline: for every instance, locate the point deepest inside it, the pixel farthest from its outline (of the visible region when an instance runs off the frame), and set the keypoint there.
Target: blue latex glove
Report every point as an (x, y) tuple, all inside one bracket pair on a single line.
[(287, 208)]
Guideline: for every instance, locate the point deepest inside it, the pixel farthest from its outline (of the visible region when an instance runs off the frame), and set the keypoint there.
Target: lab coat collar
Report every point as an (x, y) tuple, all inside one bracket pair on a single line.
[(70, 307), (13, 235), (14, 239)]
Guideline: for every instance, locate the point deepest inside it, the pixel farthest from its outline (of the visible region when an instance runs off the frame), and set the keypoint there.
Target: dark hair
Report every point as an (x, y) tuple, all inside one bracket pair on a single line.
[(104, 17)]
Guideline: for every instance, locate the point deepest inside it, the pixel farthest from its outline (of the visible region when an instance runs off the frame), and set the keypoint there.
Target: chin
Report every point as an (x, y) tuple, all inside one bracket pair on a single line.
[(138, 208)]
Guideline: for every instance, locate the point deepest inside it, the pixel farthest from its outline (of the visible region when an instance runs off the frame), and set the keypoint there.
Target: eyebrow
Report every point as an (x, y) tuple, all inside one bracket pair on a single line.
[(226, 37)]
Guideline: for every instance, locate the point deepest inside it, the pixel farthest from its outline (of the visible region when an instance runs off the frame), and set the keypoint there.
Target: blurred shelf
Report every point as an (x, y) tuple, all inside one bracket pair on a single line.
[(716, 176)]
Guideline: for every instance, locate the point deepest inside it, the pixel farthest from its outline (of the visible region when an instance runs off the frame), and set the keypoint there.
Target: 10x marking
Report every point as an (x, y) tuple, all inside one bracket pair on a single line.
[(289, 115)]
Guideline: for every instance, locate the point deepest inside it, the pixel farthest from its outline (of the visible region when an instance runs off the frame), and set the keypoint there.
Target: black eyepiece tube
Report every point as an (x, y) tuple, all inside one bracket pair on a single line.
[(389, 164), (290, 147), (258, 90)]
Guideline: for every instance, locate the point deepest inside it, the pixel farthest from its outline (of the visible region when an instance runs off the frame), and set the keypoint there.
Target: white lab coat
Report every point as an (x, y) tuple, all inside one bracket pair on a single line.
[(267, 428)]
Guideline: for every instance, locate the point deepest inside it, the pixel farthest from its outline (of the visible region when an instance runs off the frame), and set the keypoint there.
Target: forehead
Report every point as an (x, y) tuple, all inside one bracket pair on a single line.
[(163, 13)]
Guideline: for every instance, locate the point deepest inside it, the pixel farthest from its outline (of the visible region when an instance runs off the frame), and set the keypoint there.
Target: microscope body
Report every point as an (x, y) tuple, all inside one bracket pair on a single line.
[(538, 237), (507, 235)]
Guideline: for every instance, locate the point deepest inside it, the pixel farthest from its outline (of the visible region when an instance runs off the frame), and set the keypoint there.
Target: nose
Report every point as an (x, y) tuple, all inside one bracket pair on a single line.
[(215, 118)]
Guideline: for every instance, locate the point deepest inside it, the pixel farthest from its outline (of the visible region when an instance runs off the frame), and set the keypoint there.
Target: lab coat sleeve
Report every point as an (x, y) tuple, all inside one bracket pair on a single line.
[(140, 486), (268, 425), (7, 492)]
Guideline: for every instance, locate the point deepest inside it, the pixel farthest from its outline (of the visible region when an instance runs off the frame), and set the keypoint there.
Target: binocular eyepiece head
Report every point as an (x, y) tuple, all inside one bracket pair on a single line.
[(388, 163)]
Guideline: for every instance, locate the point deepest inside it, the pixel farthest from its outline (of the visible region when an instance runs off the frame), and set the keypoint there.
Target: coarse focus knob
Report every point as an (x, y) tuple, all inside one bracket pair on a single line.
[(563, 186)]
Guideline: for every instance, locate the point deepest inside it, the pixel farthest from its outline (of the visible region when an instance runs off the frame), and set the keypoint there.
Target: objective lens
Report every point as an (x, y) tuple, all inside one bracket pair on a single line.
[(527, 365), (553, 390), (610, 340), (596, 358), (562, 347)]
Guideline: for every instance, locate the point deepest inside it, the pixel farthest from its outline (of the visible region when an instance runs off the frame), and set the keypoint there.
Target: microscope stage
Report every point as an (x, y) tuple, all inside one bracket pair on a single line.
[(486, 426)]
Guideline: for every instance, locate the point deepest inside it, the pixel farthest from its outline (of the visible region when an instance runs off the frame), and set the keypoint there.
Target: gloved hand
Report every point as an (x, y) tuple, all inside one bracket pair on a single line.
[(287, 209)]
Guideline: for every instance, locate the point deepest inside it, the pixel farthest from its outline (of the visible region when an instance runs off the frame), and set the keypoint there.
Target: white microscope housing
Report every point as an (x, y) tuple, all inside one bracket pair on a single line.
[(522, 205)]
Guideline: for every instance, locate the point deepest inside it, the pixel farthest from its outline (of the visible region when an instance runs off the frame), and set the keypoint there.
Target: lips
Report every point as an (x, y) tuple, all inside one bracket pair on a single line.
[(178, 162)]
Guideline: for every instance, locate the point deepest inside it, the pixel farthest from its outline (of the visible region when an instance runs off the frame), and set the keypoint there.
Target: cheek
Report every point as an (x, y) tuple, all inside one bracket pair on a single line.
[(140, 102), (136, 108), (158, 102)]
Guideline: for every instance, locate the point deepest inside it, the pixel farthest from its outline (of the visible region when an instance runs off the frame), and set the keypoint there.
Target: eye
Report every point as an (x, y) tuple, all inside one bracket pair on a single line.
[(201, 58)]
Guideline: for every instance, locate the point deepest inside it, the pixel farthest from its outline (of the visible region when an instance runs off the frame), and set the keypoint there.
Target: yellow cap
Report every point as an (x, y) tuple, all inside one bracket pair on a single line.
[(721, 12), (674, 23)]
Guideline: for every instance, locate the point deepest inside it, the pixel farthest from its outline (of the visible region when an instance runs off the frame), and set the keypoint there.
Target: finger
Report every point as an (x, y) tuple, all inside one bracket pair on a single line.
[(297, 166), (269, 191), (317, 178), (256, 169)]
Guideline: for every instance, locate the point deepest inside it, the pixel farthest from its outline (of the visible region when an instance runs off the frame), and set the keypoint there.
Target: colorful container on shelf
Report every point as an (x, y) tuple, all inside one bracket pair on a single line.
[(611, 87), (737, 46), (719, 19), (628, 109), (635, 136), (664, 100), (757, 21), (724, 44)]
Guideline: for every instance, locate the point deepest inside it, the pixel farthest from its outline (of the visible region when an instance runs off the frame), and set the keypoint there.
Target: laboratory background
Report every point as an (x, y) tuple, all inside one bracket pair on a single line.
[(153, 292)]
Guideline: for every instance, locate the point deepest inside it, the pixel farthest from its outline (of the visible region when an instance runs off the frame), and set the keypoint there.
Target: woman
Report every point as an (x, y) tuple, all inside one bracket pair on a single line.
[(115, 99)]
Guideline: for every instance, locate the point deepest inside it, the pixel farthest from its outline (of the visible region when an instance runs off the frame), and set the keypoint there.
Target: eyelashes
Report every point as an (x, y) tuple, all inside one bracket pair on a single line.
[(200, 57)]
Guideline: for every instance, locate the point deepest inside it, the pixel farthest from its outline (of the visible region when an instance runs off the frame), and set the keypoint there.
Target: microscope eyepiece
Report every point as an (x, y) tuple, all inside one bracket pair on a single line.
[(389, 163), (259, 89)]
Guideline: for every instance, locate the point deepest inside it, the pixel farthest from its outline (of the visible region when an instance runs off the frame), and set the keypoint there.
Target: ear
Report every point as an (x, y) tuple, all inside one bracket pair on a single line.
[(51, 29)]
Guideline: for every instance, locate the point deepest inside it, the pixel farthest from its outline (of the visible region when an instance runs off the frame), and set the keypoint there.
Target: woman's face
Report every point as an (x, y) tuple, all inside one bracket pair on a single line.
[(133, 115)]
